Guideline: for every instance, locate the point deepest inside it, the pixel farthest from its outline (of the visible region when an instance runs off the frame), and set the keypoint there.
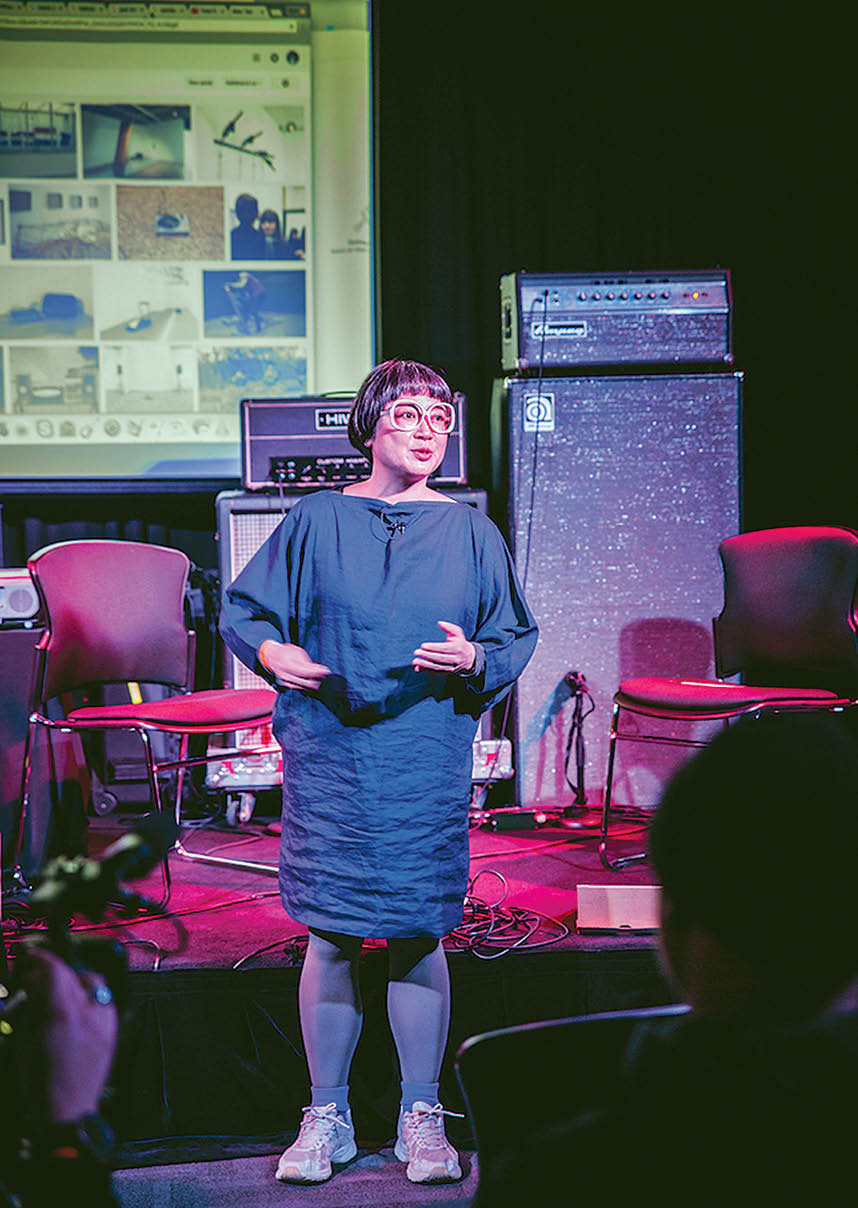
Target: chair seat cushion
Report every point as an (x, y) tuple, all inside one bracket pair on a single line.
[(663, 696), (208, 712)]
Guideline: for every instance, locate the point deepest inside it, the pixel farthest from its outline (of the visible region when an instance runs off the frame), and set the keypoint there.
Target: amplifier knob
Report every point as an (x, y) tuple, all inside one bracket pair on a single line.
[(624, 295), (596, 296), (610, 297), (651, 293), (665, 293), (582, 297), (638, 295)]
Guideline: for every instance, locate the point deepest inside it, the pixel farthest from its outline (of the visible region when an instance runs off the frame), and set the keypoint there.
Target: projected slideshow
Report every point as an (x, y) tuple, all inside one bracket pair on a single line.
[(161, 252)]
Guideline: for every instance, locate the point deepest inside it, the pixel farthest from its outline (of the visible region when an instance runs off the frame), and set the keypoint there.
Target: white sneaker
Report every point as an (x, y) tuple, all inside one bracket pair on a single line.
[(324, 1137), (422, 1143)]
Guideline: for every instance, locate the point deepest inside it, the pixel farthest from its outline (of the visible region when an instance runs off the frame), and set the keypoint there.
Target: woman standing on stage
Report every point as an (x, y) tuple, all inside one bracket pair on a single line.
[(390, 617)]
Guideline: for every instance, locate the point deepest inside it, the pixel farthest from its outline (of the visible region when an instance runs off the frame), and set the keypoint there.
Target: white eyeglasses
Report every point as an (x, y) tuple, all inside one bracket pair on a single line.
[(406, 415)]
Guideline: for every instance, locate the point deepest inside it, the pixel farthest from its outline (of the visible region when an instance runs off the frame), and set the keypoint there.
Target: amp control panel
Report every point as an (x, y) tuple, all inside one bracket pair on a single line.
[(632, 318)]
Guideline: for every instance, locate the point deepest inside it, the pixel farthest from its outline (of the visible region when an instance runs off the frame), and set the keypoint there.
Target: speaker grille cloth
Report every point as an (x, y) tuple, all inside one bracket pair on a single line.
[(636, 482), (248, 531)]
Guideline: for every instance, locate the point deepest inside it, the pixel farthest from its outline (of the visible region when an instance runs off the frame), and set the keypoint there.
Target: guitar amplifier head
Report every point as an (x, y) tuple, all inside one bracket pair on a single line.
[(564, 320), (303, 442)]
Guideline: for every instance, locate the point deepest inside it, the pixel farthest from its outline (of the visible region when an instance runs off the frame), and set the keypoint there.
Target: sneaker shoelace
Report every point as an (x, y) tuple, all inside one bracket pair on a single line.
[(428, 1125), (317, 1126)]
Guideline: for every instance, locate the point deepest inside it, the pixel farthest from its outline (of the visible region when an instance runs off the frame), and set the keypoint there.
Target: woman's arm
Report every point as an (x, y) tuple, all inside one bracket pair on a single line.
[(506, 631)]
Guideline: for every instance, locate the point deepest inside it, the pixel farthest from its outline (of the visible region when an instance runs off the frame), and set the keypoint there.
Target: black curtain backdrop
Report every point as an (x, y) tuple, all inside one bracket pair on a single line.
[(184, 519), (549, 136)]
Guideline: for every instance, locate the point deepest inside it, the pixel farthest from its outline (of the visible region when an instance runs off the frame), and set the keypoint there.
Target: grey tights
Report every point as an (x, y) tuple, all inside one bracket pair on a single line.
[(329, 1002)]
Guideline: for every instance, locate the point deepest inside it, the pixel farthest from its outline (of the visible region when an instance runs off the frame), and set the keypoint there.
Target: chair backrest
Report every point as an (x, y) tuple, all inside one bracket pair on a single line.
[(114, 612), (518, 1080), (789, 616)]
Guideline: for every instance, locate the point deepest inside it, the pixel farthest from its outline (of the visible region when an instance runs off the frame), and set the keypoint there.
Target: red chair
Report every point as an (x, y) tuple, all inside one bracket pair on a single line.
[(114, 613), (788, 629)]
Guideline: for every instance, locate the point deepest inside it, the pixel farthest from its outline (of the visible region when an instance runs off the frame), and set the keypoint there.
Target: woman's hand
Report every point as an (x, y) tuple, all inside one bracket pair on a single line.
[(292, 666), (452, 656)]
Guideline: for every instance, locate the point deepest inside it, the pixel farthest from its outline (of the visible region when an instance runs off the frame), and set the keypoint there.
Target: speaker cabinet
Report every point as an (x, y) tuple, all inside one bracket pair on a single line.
[(620, 489), (58, 781), (17, 657)]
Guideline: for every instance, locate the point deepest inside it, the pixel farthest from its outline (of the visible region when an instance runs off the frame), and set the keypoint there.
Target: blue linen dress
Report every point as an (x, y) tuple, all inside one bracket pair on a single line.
[(377, 761)]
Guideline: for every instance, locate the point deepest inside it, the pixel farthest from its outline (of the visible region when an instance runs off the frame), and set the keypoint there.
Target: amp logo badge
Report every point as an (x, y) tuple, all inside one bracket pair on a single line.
[(538, 413), (327, 419)]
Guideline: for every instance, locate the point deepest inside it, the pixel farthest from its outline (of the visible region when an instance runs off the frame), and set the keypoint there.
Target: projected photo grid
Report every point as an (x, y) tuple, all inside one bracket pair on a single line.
[(153, 267)]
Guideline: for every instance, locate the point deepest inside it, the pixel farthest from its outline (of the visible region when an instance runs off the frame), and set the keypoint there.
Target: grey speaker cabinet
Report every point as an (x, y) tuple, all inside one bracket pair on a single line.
[(619, 490)]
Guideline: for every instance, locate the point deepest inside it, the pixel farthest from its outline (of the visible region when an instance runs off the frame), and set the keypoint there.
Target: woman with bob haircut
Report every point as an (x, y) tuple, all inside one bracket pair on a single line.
[(377, 710), (269, 224)]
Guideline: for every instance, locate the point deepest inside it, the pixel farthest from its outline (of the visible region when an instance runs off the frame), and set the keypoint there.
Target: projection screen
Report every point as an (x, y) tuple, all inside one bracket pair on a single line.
[(185, 220)]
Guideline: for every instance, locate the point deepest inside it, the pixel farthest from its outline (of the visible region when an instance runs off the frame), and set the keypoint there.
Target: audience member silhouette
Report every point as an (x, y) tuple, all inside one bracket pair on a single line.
[(750, 1098)]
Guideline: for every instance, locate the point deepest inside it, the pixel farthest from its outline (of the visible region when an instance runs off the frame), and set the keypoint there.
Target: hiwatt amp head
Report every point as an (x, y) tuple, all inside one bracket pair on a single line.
[(303, 442)]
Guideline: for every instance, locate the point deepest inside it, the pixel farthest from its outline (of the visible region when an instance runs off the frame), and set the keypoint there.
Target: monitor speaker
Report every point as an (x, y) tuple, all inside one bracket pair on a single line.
[(620, 489), (19, 600)]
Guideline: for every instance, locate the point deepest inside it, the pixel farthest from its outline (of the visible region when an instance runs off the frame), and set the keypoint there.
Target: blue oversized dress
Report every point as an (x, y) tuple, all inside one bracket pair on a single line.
[(377, 761)]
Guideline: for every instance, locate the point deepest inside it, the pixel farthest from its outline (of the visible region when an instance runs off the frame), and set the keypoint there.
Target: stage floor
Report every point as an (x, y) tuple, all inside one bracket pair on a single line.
[(375, 1179), (520, 879)]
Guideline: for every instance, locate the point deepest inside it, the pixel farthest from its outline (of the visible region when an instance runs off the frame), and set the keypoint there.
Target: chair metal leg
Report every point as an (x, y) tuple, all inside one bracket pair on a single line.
[(18, 873), (180, 777), (154, 789), (203, 858), (609, 783), (621, 861)]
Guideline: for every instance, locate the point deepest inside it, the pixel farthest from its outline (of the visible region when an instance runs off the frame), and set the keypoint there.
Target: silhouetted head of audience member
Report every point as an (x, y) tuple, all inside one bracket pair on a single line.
[(759, 911)]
